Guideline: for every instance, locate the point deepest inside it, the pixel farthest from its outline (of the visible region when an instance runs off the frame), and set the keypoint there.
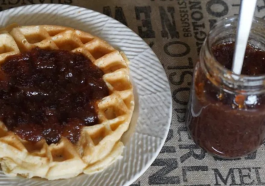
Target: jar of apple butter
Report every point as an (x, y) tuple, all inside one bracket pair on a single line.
[(226, 112)]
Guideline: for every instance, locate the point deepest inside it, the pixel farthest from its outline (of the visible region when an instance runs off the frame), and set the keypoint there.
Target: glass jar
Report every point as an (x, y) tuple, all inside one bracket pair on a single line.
[(226, 112)]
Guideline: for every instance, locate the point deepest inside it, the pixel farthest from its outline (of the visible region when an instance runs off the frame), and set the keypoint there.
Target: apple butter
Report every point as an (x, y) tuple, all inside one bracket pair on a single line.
[(226, 111), (225, 124), (50, 93)]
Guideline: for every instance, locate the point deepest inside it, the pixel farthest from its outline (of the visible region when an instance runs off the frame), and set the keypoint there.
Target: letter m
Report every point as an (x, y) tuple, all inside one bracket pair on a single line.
[(224, 180)]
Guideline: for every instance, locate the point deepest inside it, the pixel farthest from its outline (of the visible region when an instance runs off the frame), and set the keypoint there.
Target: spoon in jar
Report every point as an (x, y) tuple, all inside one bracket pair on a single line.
[(247, 9)]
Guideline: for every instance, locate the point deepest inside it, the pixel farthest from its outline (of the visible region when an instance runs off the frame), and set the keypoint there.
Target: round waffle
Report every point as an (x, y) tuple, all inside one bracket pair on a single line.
[(99, 145)]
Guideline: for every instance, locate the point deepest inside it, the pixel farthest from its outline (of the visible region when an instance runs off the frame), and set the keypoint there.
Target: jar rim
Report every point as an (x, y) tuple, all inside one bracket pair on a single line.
[(230, 73)]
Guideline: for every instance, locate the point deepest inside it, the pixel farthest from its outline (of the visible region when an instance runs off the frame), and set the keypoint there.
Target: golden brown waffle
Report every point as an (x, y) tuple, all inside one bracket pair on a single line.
[(99, 145)]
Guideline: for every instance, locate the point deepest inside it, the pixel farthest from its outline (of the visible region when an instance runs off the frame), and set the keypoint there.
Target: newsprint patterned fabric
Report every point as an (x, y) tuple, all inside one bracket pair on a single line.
[(175, 30)]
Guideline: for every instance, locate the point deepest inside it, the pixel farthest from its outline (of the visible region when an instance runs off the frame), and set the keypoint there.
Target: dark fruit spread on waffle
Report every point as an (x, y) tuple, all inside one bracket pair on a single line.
[(49, 94)]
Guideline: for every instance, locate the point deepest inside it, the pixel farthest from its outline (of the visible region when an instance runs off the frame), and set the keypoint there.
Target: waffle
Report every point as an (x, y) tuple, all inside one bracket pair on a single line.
[(99, 145)]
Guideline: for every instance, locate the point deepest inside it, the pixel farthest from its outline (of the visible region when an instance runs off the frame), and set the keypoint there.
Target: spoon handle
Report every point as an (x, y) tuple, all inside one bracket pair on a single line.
[(247, 10)]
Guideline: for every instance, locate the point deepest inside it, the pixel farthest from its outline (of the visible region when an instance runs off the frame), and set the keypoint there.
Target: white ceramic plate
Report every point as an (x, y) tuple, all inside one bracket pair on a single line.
[(152, 116)]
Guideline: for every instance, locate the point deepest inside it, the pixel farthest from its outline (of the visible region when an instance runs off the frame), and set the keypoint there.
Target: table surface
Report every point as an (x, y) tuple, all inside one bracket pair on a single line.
[(175, 30)]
